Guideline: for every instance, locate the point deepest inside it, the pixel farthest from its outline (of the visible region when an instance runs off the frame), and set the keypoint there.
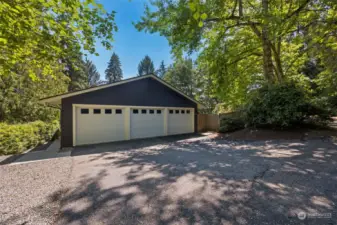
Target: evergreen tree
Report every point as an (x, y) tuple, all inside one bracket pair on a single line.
[(92, 73), (114, 72), (162, 70), (101, 82), (75, 69), (146, 66)]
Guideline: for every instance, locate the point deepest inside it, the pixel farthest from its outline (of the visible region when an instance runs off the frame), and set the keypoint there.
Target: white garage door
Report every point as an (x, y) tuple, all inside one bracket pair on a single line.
[(146, 123), (99, 125), (180, 121)]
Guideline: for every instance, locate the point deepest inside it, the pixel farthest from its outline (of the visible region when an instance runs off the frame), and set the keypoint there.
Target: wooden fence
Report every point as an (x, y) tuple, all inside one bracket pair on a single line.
[(211, 122), (208, 122)]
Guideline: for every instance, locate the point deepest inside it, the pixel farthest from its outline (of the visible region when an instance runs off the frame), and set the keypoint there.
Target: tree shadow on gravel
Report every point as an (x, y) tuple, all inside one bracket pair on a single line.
[(205, 182)]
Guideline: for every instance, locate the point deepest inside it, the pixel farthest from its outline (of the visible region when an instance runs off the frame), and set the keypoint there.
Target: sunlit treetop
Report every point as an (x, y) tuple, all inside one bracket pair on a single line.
[(39, 33)]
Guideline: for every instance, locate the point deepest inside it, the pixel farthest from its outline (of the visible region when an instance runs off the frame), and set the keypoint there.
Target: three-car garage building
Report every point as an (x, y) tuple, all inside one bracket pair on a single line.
[(140, 107)]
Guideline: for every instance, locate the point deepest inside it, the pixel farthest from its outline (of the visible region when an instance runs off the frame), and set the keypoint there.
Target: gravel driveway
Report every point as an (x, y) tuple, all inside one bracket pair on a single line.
[(187, 181), (29, 191)]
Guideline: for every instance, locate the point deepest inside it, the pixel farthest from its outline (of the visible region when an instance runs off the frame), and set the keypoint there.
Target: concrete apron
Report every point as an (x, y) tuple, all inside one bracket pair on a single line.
[(51, 152)]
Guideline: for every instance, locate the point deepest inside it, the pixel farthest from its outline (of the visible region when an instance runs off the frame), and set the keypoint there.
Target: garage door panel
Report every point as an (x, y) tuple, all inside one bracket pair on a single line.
[(145, 125), (99, 128), (180, 121)]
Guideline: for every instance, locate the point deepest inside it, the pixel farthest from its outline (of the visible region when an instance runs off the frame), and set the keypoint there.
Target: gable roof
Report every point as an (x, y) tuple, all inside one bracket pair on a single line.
[(54, 100)]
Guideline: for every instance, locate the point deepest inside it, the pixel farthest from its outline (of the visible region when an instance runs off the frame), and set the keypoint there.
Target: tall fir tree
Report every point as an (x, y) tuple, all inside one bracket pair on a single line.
[(75, 69), (92, 73), (162, 70), (114, 71), (146, 66)]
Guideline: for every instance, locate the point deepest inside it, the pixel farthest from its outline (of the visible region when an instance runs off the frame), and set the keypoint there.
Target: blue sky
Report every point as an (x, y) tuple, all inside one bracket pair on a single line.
[(130, 45)]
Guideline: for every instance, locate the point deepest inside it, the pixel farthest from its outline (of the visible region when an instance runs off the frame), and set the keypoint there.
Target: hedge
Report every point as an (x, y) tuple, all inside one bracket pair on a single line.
[(16, 138), (231, 124)]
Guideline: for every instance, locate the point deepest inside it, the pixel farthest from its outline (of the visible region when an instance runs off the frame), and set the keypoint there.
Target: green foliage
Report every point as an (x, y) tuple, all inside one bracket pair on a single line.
[(162, 70), (229, 124), (181, 75), (17, 138), (329, 104), (281, 106), (114, 71), (75, 69), (146, 67), (19, 97), (204, 91), (192, 81), (39, 33), (242, 45), (92, 73)]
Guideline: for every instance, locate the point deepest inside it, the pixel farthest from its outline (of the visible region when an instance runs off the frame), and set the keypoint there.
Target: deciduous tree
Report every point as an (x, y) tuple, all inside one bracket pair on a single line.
[(19, 96), (243, 44), (181, 75), (39, 33)]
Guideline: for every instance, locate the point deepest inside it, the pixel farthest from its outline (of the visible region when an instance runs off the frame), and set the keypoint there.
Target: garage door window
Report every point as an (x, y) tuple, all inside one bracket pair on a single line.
[(177, 111), (182, 111), (97, 111), (171, 111), (108, 111), (143, 111), (118, 111), (84, 111), (135, 111), (188, 111), (151, 111), (158, 111)]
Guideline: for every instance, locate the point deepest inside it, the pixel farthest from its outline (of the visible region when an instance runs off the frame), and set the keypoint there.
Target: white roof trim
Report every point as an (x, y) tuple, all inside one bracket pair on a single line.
[(58, 98)]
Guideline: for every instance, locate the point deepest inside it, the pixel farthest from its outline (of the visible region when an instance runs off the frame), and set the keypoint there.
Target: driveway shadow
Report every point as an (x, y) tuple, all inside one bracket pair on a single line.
[(205, 181)]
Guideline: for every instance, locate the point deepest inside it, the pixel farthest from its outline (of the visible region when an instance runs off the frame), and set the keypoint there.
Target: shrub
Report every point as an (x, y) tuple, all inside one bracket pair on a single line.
[(16, 138), (281, 106), (325, 103), (231, 124)]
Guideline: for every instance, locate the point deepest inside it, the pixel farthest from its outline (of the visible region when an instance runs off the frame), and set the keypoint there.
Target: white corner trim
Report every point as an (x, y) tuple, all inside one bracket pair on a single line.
[(193, 118), (74, 124)]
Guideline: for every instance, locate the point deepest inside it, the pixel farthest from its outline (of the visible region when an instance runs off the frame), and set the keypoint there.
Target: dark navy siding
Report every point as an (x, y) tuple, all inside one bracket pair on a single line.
[(144, 92)]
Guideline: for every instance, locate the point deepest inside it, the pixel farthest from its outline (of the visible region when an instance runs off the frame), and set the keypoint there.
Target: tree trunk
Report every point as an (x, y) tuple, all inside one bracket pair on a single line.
[(267, 54), (278, 65)]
